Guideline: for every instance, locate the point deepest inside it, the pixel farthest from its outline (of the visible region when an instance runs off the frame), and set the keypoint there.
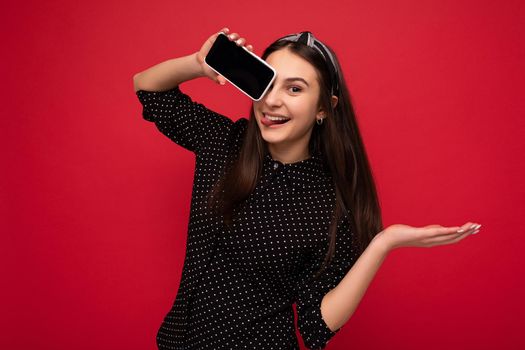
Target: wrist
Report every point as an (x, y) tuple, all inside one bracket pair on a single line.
[(199, 71), (382, 242)]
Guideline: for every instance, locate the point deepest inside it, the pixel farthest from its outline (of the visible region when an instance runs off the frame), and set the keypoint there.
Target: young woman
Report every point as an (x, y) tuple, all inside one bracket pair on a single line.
[(284, 207)]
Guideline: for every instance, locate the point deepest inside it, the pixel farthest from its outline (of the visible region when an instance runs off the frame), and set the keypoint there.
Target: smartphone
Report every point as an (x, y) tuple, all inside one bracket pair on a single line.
[(242, 68)]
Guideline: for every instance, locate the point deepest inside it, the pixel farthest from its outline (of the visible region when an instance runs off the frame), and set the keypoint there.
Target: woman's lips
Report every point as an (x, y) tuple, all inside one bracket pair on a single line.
[(267, 122)]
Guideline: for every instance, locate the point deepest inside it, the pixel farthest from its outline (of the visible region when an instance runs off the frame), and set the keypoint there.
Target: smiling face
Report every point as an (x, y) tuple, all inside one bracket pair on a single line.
[(293, 95)]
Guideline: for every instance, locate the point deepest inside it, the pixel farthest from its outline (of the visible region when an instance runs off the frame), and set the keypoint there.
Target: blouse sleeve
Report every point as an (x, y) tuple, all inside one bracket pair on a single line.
[(310, 291), (187, 123)]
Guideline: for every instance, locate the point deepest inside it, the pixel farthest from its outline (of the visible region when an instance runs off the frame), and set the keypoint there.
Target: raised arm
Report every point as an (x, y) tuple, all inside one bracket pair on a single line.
[(188, 123), (169, 74)]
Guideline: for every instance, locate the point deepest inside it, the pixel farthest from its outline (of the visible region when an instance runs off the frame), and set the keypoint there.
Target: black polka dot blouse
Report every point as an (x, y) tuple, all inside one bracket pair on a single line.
[(238, 286)]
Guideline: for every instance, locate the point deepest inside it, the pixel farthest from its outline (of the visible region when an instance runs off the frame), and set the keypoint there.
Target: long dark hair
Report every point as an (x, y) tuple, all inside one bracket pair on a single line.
[(339, 142)]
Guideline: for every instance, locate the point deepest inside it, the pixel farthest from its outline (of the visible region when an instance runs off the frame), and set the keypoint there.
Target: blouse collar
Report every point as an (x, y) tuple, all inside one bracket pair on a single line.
[(302, 174)]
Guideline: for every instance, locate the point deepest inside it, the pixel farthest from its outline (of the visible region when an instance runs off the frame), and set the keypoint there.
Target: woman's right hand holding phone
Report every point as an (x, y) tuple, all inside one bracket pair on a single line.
[(170, 73), (207, 71)]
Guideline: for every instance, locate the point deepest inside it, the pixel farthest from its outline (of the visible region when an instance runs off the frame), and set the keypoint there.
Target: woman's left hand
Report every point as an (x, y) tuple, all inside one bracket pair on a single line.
[(398, 235)]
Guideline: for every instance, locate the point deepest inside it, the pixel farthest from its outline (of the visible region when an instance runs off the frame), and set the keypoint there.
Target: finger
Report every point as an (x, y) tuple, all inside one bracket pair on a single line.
[(445, 239), (240, 41), (220, 79), (466, 226), (249, 47), (212, 38), (469, 227), (233, 36), (449, 235), (438, 230), (454, 239)]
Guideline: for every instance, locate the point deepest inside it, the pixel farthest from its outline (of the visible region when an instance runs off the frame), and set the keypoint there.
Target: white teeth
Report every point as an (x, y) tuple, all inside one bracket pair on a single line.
[(275, 118)]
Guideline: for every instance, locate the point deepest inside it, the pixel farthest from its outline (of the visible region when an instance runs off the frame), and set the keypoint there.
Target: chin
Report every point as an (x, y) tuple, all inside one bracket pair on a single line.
[(271, 138)]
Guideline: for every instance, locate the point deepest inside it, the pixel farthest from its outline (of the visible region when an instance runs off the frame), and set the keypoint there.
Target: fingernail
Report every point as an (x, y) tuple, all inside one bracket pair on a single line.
[(473, 233)]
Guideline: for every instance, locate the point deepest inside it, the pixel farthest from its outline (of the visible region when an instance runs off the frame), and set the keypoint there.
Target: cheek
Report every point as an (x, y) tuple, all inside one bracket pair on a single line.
[(303, 109)]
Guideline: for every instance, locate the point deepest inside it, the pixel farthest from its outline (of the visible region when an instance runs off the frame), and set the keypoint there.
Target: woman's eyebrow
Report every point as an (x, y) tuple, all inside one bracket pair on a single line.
[(296, 78)]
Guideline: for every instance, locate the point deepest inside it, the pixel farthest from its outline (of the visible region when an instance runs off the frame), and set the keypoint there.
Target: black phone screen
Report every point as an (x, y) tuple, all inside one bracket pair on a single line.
[(247, 72)]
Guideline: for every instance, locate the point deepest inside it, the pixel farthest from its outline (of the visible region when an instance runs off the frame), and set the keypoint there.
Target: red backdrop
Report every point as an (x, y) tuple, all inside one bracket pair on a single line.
[(95, 201)]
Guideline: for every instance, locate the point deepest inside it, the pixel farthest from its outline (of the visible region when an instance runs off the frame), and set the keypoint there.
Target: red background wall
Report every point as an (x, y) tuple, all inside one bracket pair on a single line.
[(94, 201)]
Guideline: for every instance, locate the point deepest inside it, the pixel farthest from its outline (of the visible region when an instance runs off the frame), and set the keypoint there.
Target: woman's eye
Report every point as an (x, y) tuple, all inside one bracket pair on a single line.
[(295, 89)]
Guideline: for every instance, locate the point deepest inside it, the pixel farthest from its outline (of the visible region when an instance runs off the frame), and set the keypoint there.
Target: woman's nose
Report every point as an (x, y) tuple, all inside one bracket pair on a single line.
[(272, 97)]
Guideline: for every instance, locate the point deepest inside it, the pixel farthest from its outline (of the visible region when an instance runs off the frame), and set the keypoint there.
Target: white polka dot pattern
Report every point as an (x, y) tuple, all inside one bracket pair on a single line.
[(238, 285)]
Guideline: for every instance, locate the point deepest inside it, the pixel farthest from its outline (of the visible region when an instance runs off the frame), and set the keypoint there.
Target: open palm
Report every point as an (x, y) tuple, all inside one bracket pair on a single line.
[(399, 235)]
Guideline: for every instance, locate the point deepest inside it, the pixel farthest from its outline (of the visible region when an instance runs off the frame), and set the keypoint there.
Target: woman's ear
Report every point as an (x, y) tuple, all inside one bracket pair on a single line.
[(334, 101)]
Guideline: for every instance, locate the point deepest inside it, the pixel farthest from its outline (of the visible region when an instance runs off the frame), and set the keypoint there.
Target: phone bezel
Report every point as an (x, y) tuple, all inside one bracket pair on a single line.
[(257, 58)]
